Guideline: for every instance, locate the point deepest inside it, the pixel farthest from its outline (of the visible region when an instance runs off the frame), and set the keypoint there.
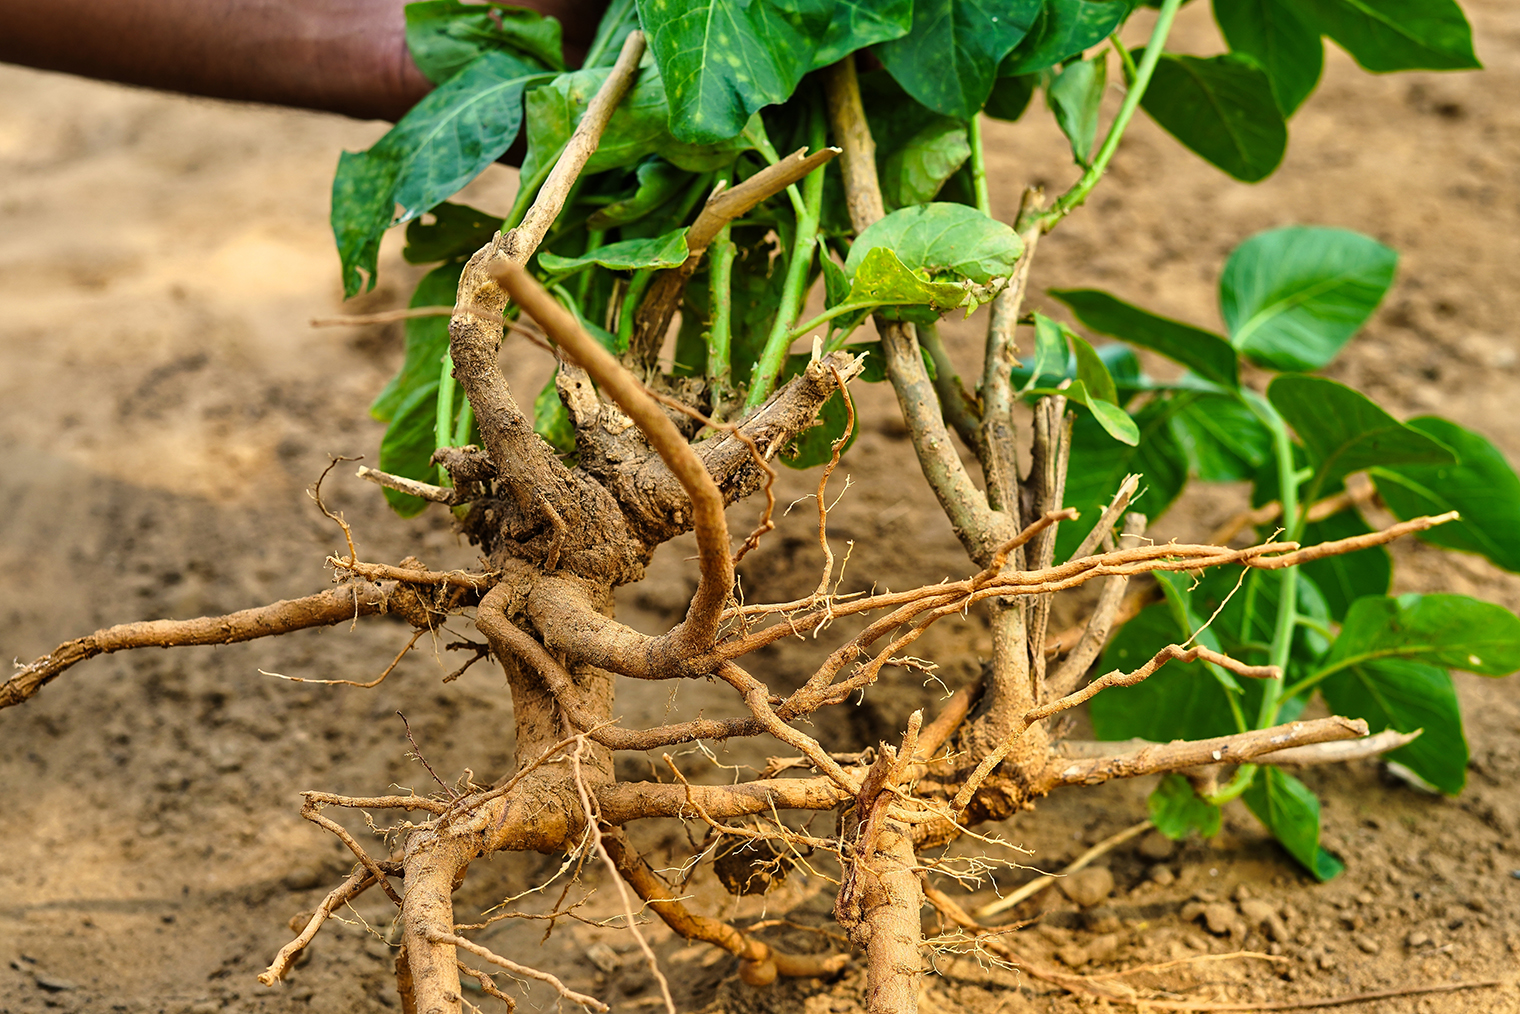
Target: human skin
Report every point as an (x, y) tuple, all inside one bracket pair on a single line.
[(339, 56)]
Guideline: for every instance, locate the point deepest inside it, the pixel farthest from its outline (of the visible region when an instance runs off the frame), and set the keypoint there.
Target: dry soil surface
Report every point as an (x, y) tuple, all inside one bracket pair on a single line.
[(165, 404)]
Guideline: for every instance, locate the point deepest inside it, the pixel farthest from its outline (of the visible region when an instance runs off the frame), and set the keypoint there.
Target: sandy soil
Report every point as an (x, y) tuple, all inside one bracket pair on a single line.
[(165, 404)]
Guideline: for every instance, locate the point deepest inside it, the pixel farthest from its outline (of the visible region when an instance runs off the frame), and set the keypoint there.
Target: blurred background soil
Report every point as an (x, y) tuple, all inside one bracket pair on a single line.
[(164, 404)]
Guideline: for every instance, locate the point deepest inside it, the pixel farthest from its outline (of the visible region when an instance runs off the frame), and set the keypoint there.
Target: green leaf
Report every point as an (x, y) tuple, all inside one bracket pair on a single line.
[(1287, 49), (1010, 96), (725, 59), (1090, 370), (1350, 576), (456, 232), (1403, 695), (1074, 96), (639, 126), (1224, 440), (1344, 431), (1050, 350), (658, 182), (913, 171), (1291, 813), (949, 59), (1451, 631), (445, 36), (408, 445), (1384, 35), (1203, 352), (667, 251), (815, 445), (1291, 298), (441, 144), (881, 278), (1176, 810), (427, 339), (619, 20), (1116, 422), (1223, 109), (551, 420), (947, 247), (1482, 486), (1099, 464), (1066, 28), (1179, 701)]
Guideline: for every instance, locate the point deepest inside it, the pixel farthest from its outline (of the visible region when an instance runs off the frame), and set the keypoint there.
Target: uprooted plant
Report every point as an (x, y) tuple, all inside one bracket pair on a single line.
[(622, 455)]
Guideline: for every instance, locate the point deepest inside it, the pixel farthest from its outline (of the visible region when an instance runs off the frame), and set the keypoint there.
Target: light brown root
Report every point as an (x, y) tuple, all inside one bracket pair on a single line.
[(345, 892)]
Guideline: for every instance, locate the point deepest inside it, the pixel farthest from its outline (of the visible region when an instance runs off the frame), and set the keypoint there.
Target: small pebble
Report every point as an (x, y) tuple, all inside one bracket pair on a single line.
[(52, 983), (1242, 893), (1162, 875), (1220, 918), (604, 957), (1367, 944), (1073, 955), (1103, 947), (302, 878), (1088, 887), (1156, 846), (1418, 939)]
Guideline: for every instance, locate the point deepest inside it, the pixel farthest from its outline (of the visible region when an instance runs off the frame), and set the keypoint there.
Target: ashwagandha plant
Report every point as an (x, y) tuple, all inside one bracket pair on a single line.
[(653, 186)]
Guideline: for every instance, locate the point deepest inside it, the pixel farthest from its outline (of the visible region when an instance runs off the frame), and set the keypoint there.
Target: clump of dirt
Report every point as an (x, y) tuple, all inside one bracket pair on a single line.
[(166, 403)]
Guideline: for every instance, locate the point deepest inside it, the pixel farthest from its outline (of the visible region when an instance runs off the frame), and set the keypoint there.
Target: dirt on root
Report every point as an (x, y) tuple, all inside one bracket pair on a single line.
[(165, 404)]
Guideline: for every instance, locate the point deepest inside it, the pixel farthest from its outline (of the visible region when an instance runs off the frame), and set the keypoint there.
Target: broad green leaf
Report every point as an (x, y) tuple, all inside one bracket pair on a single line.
[(1074, 96), (815, 445), (440, 145), (408, 445), (949, 59), (619, 20), (1482, 486), (1223, 109), (551, 420), (724, 59), (1451, 631), (913, 171), (455, 233), (639, 126), (658, 182), (1344, 431), (1291, 298), (1091, 370), (667, 251), (1178, 701), (1010, 96), (1287, 49), (1225, 442), (944, 240), (1176, 810), (1403, 695), (1350, 576), (836, 284), (904, 294), (1116, 422), (445, 36), (1384, 35), (1291, 813), (1066, 28), (1050, 350), (427, 339), (1203, 352), (1099, 463)]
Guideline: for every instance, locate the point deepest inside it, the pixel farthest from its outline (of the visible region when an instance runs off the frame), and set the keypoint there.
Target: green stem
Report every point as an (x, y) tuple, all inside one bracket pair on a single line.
[(1126, 59), (466, 424), (838, 310), (978, 166), (799, 268), (762, 142), (1235, 787), (631, 299), (720, 259), (443, 427), (1078, 193), (527, 189), (1293, 521)]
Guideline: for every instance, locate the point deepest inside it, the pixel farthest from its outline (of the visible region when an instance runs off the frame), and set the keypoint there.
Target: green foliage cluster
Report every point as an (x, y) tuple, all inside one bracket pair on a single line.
[(725, 85)]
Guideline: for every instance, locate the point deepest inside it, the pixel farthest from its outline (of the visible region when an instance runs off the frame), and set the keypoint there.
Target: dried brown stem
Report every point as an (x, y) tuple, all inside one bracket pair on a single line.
[(345, 892), (312, 812), (486, 954), (336, 605), (1100, 622), (411, 487), (406, 575), (1240, 748)]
